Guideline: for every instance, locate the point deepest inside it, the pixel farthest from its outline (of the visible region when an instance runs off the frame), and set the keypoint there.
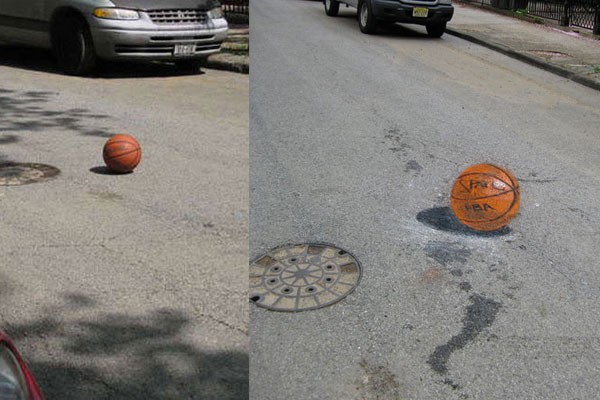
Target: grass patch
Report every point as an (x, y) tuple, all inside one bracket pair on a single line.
[(235, 48)]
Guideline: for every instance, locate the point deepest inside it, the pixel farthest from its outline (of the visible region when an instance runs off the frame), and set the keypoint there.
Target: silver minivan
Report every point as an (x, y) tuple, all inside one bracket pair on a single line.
[(80, 31)]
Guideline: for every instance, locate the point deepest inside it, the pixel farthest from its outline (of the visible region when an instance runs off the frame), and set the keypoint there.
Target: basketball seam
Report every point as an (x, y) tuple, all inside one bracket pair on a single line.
[(514, 184), (121, 155), (120, 141), (136, 148), (139, 157), (484, 197)]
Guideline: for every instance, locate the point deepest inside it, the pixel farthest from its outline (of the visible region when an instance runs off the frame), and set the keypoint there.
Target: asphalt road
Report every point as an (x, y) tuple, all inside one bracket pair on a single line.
[(126, 286), (356, 140)]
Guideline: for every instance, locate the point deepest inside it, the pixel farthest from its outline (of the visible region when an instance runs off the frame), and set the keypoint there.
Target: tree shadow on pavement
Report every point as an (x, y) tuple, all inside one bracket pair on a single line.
[(31, 111), (118, 356), (43, 61)]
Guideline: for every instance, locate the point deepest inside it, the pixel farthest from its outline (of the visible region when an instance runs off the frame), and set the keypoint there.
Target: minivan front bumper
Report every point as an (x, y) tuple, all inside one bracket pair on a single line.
[(135, 40)]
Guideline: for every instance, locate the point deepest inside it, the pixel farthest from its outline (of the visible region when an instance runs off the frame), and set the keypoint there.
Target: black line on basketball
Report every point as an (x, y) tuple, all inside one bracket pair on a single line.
[(121, 155), (484, 197)]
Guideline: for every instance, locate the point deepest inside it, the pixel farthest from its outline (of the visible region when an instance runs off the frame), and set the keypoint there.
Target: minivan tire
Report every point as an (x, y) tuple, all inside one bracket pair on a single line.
[(332, 7), (190, 65), (72, 44), (366, 20)]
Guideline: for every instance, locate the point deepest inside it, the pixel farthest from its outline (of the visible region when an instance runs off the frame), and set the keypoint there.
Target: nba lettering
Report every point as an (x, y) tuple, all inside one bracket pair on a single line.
[(473, 184), (477, 184), (479, 207)]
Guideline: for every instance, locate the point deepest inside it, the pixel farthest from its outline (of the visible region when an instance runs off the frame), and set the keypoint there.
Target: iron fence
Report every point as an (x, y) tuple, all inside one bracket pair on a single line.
[(235, 6), (549, 9), (585, 14), (580, 13)]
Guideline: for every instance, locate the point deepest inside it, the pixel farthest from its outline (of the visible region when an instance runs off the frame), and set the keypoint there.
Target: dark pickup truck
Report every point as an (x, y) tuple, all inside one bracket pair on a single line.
[(434, 14)]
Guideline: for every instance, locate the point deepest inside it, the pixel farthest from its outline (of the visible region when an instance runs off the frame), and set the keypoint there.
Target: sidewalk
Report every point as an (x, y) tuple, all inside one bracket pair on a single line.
[(234, 55), (558, 50)]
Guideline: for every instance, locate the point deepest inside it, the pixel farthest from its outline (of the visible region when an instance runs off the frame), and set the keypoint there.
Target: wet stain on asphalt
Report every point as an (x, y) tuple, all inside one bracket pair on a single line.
[(447, 253), (397, 139), (413, 166), (480, 315)]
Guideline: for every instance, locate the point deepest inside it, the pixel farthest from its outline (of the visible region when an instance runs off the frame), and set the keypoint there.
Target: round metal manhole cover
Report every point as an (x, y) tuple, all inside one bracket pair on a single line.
[(15, 174), (303, 277)]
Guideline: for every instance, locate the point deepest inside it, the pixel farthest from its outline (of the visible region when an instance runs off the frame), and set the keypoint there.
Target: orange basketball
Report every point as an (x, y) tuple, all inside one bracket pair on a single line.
[(122, 153), (485, 197)]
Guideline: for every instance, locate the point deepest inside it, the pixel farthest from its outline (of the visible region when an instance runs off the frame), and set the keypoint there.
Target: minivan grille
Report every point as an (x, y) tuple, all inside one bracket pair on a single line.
[(178, 16)]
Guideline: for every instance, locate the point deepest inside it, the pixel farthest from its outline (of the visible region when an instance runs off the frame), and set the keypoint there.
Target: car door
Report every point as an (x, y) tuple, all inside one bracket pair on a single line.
[(22, 21), (22, 9)]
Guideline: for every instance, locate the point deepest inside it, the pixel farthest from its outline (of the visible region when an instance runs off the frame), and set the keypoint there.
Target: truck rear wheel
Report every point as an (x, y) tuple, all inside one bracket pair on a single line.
[(366, 20), (436, 31)]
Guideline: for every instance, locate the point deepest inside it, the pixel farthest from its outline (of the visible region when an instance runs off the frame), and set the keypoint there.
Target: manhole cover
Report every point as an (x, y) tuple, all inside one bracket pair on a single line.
[(303, 277), (14, 174)]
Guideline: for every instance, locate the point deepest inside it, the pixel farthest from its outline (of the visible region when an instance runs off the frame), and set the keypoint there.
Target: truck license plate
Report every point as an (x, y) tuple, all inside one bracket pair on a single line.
[(420, 12), (184, 49)]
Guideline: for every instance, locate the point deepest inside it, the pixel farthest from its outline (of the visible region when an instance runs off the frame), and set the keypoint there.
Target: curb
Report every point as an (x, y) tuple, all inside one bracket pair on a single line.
[(226, 61), (232, 66), (565, 73)]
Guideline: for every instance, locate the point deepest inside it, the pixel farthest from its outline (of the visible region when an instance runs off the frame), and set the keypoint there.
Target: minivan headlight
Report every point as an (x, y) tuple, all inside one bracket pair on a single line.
[(116, 13), (216, 12), (12, 380)]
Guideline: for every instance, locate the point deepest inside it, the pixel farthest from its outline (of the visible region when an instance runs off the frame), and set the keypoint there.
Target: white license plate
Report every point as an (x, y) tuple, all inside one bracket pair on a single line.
[(420, 12), (184, 49)]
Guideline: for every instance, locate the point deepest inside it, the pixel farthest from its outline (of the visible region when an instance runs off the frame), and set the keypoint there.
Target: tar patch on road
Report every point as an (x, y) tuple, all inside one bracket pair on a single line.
[(480, 315), (378, 383), (413, 166)]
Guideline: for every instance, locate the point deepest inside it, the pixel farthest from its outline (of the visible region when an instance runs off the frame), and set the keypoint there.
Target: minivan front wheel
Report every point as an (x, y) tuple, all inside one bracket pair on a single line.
[(332, 7), (72, 44), (192, 65), (366, 19)]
